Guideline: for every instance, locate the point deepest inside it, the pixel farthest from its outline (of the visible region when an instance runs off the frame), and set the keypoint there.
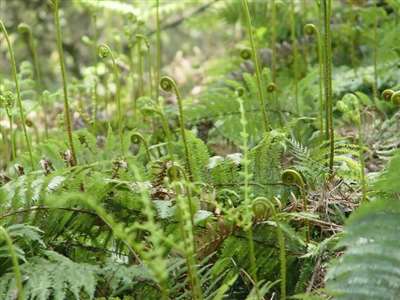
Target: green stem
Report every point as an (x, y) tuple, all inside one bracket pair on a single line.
[(140, 66), (14, 259), (158, 42), (67, 113), (327, 59), (312, 29), (282, 260), (295, 54), (168, 84), (13, 147), (362, 160), (105, 51), (95, 61), (375, 83), (19, 99), (260, 93), (144, 142)]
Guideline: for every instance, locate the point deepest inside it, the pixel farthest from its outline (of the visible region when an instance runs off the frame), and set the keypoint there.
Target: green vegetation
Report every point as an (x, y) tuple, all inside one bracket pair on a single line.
[(205, 149)]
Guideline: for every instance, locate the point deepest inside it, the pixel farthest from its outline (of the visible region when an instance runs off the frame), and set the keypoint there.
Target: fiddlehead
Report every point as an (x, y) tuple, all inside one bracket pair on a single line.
[(169, 85), (291, 177), (137, 138), (311, 29), (271, 87), (245, 53), (67, 112), (254, 55), (105, 52), (17, 87), (395, 98), (387, 94)]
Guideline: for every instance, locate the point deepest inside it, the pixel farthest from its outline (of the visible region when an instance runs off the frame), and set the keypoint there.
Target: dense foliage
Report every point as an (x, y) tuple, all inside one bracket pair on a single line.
[(238, 149)]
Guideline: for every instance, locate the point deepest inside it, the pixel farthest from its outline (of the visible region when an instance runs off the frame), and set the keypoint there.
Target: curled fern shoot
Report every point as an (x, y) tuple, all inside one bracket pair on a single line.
[(254, 54), (67, 112), (14, 259), (387, 94), (291, 177), (311, 29), (17, 88), (105, 52), (245, 53), (271, 87), (327, 60), (136, 138), (395, 98), (169, 85)]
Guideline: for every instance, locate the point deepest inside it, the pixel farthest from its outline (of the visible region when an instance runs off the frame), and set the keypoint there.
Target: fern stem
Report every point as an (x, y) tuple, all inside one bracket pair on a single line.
[(168, 84), (14, 259), (140, 66), (295, 54), (312, 29), (362, 160), (327, 59), (17, 87), (13, 148), (158, 45), (105, 51), (282, 260), (140, 137), (273, 60), (375, 41), (95, 61), (67, 113), (260, 92)]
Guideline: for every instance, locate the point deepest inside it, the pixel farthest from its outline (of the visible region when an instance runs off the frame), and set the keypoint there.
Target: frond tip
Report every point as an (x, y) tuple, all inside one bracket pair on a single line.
[(292, 177)]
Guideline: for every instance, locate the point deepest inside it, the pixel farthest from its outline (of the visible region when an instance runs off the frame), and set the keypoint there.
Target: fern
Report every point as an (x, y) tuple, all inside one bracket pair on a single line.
[(53, 275)]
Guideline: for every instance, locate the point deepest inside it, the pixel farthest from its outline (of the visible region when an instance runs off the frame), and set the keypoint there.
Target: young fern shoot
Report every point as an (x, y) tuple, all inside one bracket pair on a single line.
[(169, 85), (312, 29), (158, 46), (17, 88), (294, 53), (327, 60), (104, 52), (260, 93), (67, 112)]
